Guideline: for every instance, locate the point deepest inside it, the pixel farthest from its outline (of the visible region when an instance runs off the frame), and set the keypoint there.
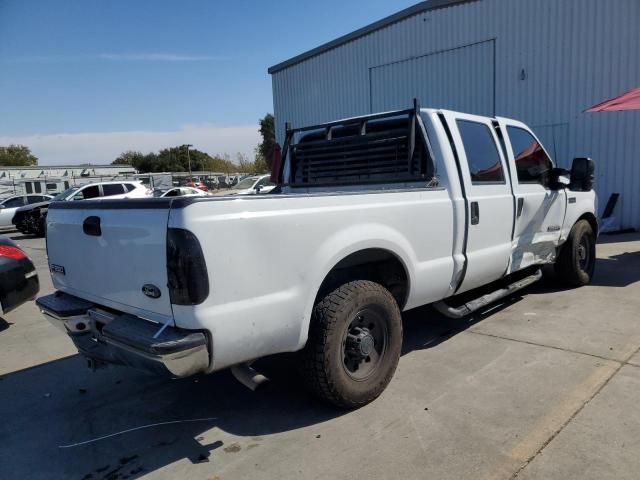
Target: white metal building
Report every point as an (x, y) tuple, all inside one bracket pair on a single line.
[(541, 61)]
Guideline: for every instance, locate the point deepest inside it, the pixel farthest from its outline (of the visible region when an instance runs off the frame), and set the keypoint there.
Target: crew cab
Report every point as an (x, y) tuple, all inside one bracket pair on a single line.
[(372, 216)]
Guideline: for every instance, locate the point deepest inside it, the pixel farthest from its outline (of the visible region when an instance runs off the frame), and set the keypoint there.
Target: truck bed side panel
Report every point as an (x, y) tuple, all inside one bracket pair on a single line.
[(267, 257)]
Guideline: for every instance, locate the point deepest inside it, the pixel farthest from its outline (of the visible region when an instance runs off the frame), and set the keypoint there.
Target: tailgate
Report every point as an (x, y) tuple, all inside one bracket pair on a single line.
[(106, 252)]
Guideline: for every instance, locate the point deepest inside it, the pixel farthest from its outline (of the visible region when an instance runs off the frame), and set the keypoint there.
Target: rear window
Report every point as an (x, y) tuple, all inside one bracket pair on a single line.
[(481, 151), (112, 189)]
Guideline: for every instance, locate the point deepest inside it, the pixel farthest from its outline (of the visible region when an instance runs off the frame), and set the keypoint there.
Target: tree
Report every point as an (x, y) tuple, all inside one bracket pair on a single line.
[(129, 157), (17, 156), (268, 132)]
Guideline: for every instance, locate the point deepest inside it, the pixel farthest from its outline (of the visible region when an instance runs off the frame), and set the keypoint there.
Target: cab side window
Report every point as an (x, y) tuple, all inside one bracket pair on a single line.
[(533, 165), (36, 199), (110, 189), (14, 202), (90, 192), (482, 152)]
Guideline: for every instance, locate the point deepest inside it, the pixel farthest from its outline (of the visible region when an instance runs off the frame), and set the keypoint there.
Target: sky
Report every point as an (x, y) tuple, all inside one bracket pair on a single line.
[(83, 80)]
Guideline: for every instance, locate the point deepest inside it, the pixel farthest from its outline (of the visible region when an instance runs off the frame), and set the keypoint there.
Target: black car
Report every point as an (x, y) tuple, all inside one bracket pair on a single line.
[(18, 277)]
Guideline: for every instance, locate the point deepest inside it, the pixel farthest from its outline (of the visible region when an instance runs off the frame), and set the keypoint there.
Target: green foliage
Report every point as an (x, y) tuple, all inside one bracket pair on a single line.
[(17, 156), (268, 132), (175, 160)]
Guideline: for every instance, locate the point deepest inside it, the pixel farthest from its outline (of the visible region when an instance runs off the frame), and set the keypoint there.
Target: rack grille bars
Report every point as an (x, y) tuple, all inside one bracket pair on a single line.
[(361, 122)]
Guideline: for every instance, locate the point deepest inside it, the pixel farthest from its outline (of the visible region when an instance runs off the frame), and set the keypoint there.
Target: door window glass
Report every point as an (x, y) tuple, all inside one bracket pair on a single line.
[(35, 198), (112, 189), (14, 202), (532, 163), (87, 193), (481, 151)]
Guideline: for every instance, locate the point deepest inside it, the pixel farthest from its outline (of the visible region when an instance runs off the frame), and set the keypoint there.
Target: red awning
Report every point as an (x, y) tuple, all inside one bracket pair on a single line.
[(626, 101)]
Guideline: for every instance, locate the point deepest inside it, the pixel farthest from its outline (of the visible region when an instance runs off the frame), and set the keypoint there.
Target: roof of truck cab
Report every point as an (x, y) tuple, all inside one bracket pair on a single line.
[(361, 32)]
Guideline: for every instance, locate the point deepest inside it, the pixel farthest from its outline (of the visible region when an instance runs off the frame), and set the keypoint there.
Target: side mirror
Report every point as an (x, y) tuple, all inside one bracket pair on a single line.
[(258, 188), (582, 171)]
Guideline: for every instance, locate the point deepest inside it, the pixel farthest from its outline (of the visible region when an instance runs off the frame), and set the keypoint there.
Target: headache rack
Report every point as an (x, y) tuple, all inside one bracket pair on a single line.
[(381, 148)]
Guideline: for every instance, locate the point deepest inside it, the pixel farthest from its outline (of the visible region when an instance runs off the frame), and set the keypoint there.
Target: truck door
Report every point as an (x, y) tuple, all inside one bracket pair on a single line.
[(540, 210), (489, 199)]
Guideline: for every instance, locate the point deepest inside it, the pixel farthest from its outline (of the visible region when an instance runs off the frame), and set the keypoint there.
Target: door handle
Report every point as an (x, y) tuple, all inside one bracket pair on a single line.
[(520, 206), (475, 213), (91, 226)]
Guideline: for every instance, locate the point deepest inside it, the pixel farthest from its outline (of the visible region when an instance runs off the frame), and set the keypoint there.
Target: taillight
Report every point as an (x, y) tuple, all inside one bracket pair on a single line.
[(14, 253), (186, 268)]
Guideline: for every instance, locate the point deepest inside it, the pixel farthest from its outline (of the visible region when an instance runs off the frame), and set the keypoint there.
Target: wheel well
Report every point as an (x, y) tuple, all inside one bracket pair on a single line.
[(375, 264), (591, 218)]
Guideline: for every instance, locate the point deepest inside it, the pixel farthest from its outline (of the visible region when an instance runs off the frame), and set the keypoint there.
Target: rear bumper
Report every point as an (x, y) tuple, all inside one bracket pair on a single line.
[(105, 336)]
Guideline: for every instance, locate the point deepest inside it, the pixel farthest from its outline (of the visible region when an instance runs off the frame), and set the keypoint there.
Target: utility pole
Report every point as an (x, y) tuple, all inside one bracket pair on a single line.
[(189, 160)]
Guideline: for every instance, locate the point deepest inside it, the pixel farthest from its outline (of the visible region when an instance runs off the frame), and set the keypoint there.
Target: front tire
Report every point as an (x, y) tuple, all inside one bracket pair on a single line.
[(354, 344), (577, 259)]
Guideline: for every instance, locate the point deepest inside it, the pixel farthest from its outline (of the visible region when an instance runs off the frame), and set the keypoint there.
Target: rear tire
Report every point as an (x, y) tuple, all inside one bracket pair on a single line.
[(577, 259), (354, 344)]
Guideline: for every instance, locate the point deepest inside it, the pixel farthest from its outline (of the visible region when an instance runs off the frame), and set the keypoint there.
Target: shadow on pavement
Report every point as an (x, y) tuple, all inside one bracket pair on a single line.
[(4, 324), (62, 403), (618, 270), (17, 236)]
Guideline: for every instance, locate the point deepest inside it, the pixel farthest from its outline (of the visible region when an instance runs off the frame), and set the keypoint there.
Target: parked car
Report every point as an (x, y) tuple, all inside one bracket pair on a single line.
[(250, 186), (32, 218), (18, 277), (197, 184), (179, 192), (8, 206), (374, 215)]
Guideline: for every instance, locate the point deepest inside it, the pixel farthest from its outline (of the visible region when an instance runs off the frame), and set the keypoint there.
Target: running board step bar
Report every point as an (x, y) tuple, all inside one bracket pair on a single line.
[(478, 303)]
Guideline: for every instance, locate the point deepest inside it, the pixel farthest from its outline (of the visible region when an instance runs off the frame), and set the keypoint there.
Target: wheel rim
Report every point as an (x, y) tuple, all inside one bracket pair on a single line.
[(364, 344), (584, 253)]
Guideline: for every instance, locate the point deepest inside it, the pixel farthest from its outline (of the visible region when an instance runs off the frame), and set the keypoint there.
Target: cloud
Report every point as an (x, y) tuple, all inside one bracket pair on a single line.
[(117, 57), (156, 57), (104, 147)]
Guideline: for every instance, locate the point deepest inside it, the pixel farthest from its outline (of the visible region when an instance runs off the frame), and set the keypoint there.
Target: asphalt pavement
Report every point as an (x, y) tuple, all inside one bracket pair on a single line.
[(542, 386)]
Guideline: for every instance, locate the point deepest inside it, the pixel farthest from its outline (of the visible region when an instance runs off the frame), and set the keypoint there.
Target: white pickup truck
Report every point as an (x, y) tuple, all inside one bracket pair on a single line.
[(372, 216)]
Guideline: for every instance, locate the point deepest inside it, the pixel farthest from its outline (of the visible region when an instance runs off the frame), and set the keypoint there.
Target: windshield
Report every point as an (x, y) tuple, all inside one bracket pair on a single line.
[(63, 195), (246, 183)]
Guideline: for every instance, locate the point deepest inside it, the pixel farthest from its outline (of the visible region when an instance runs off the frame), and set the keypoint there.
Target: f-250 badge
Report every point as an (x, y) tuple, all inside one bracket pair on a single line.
[(151, 291)]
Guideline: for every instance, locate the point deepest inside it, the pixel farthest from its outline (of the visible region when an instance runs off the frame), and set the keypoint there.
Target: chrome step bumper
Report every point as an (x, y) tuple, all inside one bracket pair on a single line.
[(107, 337)]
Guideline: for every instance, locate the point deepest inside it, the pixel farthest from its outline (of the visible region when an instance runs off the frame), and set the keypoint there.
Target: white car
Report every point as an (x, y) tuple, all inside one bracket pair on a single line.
[(112, 190), (376, 215), (8, 206), (250, 186), (180, 192), (32, 218)]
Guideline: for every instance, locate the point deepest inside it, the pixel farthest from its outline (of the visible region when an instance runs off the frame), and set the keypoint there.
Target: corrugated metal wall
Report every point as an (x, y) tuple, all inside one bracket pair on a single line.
[(427, 78), (553, 59)]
